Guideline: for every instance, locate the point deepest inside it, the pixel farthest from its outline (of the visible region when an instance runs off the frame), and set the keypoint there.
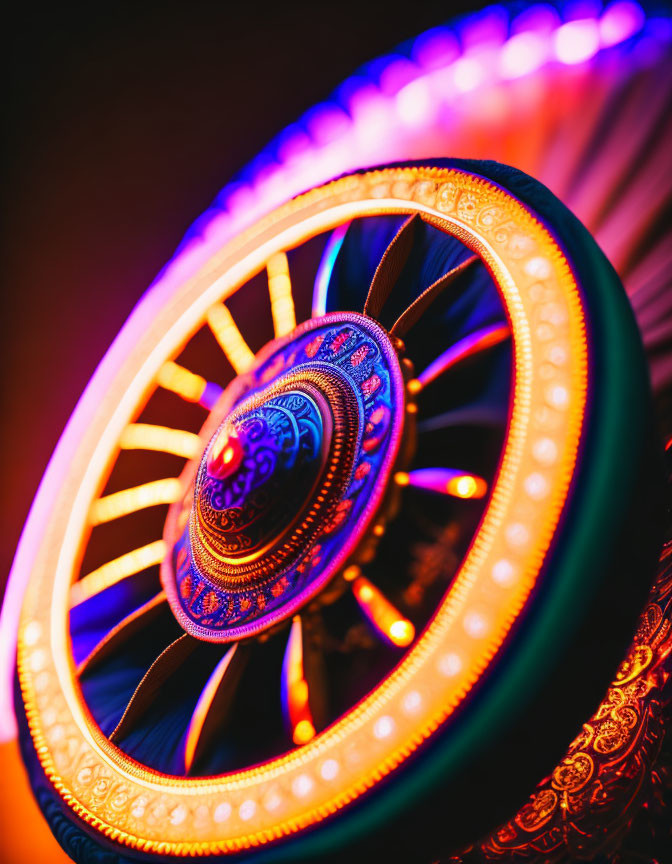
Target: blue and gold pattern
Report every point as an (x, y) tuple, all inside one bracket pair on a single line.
[(290, 481)]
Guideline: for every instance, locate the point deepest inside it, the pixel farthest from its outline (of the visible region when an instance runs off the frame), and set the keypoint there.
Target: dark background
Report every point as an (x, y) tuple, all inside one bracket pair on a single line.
[(123, 122)]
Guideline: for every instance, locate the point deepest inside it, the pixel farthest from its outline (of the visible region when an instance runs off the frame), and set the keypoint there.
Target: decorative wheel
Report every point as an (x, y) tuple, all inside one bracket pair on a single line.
[(315, 589)]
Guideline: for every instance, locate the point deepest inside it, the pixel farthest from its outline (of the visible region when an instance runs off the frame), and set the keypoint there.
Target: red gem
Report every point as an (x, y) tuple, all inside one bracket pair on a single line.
[(379, 414), (261, 601), (313, 347), (371, 385), (362, 470), (359, 355), (210, 603), (340, 340), (185, 587), (371, 444)]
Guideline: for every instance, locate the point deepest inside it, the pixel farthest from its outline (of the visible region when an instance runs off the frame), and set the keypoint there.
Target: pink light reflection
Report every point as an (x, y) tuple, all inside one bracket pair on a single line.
[(576, 41)]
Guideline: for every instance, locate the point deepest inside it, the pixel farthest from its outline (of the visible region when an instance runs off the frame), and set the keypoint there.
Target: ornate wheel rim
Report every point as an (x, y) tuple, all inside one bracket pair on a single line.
[(171, 815)]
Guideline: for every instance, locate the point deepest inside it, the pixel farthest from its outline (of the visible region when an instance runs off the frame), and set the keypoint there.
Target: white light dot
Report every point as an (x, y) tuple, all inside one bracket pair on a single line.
[(450, 664), (467, 74), (138, 810), (412, 702), (383, 727), (178, 815), (222, 812), (558, 396), (475, 624), (536, 486), (56, 733), (545, 333), (553, 313), (503, 573), (32, 633), (539, 267), (557, 355), (272, 801), (37, 660), (201, 815), (42, 682), (247, 810), (302, 786), (517, 534), (545, 451), (329, 769), (48, 717)]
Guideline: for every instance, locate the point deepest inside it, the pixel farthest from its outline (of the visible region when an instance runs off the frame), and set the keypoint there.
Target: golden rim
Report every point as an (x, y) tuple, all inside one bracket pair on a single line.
[(174, 815)]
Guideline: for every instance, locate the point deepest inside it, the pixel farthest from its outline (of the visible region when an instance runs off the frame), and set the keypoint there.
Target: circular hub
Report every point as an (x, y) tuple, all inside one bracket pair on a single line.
[(290, 481)]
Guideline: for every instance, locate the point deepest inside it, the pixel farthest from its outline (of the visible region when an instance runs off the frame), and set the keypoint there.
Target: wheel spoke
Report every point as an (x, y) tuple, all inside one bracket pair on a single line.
[(127, 627), (188, 385), (145, 436), (118, 504), (326, 268), (390, 266), (213, 705), (168, 662), (295, 690), (414, 312), (226, 332), (280, 290), (386, 619), (116, 570), (444, 481), (477, 341)]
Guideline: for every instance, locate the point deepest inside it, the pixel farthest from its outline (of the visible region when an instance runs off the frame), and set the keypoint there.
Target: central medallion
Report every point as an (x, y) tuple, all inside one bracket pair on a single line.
[(291, 482)]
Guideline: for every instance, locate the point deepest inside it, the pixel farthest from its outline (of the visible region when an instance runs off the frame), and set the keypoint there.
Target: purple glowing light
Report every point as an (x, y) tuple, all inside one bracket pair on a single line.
[(523, 53), (620, 21), (576, 41)]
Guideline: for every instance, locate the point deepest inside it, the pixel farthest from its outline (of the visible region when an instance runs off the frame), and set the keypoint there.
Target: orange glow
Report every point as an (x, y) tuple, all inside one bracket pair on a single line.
[(351, 573), (131, 500), (467, 486), (144, 436), (116, 570), (401, 478), (382, 614), (230, 339), (280, 290), (186, 384), (303, 732), (295, 687)]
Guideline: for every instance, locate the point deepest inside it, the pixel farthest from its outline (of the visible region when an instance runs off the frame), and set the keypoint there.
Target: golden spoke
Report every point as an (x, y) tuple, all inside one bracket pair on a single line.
[(127, 501), (230, 338), (386, 618), (295, 691), (188, 385), (114, 571), (144, 436), (280, 290)]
